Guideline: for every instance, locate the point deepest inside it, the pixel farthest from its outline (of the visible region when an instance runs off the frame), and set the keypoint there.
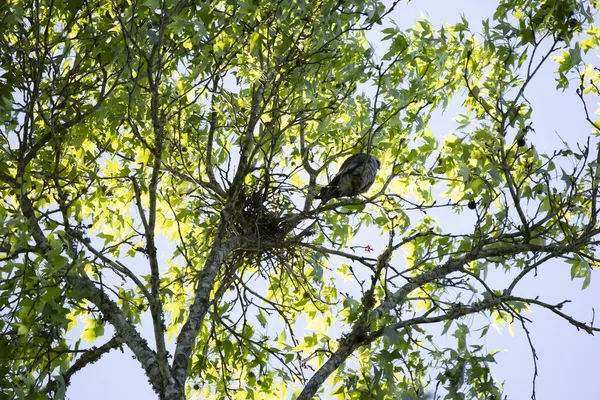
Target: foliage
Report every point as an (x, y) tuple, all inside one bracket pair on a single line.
[(161, 159)]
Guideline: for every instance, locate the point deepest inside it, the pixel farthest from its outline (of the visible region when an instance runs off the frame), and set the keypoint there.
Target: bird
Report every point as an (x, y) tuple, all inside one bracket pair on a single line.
[(355, 176)]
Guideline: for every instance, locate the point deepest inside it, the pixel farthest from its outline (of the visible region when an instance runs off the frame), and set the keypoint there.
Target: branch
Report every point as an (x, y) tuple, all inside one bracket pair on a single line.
[(246, 143), (89, 357), (117, 266), (455, 264), (189, 331), (356, 338), (158, 124), (368, 261), (211, 134), (556, 310)]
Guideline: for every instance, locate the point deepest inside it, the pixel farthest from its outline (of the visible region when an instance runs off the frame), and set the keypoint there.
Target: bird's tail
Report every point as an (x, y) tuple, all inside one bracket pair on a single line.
[(327, 193)]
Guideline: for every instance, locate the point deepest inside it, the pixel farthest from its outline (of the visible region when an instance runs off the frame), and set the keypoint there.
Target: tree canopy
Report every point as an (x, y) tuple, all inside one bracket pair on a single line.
[(160, 159)]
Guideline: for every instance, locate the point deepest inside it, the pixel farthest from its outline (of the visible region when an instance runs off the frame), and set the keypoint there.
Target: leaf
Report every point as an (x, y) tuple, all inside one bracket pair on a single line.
[(255, 41), (152, 35), (297, 181), (113, 167), (262, 318), (151, 4), (575, 54), (73, 6), (23, 329), (391, 333), (354, 208), (92, 330), (484, 331), (586, 280), (447, 326), (575, 266), (465, 172)]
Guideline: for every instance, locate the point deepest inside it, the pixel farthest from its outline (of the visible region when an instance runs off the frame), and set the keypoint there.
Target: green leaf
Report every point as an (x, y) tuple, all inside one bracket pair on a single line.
[(575, 54), (73, 6), (92, 331), (262, 318)]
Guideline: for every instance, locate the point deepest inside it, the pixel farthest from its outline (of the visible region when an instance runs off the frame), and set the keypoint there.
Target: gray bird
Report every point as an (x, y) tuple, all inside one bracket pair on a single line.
[(356, 176)]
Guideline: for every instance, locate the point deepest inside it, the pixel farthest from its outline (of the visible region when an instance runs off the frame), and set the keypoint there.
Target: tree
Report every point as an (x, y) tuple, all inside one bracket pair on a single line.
[(162, 158)]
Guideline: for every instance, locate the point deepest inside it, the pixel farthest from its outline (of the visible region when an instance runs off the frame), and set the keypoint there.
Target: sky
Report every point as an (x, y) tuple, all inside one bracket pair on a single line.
[(567, 357)]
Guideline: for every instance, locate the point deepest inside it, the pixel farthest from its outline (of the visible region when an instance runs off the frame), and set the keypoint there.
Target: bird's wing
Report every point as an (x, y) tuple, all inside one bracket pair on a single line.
[(346, 165), (350, 166), (352, 163)]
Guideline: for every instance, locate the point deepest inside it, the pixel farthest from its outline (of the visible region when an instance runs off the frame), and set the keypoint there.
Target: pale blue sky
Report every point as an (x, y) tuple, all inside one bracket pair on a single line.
[(567, 358)]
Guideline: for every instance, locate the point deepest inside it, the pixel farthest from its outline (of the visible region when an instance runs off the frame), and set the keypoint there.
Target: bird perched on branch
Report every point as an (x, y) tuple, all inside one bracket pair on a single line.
[(355, 176)]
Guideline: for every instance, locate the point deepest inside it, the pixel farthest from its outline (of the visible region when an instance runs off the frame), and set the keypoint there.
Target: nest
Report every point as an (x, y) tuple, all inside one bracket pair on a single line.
[(260, 219)]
